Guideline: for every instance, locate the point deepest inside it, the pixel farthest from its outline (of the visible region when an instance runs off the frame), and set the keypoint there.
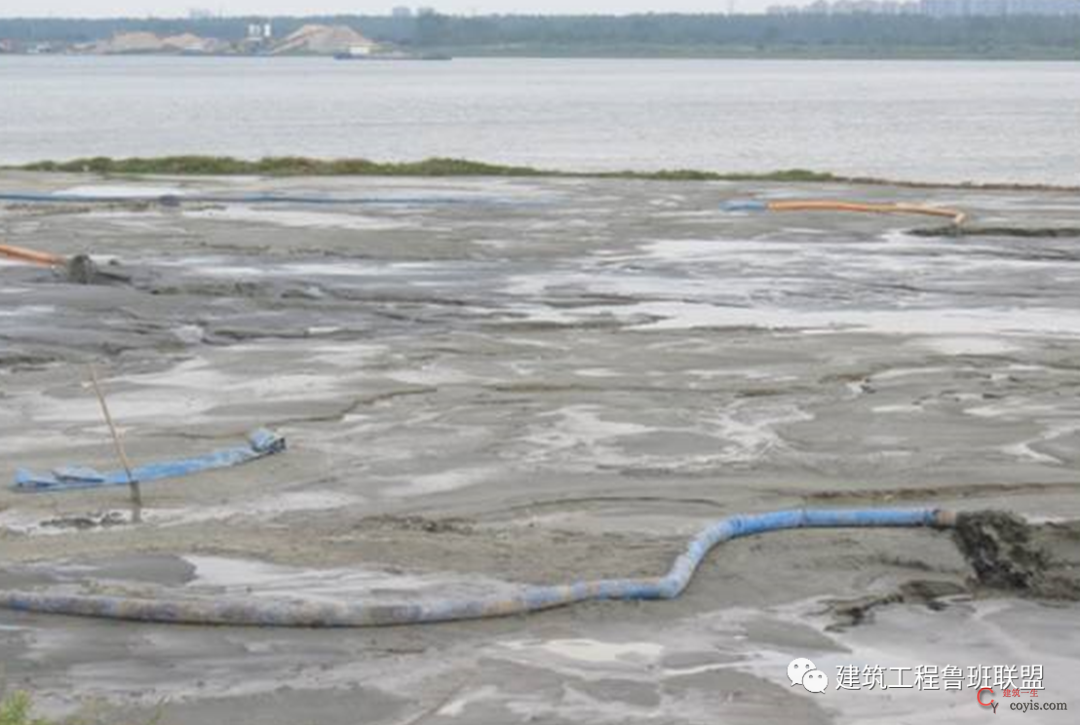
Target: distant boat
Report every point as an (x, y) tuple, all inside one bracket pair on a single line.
[(391, 56)]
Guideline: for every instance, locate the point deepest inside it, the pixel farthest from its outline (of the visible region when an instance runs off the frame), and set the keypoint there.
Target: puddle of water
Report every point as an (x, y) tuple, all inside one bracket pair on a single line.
[(344, 354), (18, 448), (30, 523), (28, 311), (1013, 410), (897, 373), (739, 434), (901, 408), (433, 376), (266, 507), (251, 578), (454, 708), (620, 282), (970, 346), (750, 432), (598, 373), (591, 650), (581, 432), (949, 322), (122, 192), (1025, 451), (442, 482), (192, 389), (296, 219)]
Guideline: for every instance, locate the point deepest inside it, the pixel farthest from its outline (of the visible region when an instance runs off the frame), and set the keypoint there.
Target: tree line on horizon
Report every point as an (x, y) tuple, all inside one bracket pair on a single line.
[(668, 34)]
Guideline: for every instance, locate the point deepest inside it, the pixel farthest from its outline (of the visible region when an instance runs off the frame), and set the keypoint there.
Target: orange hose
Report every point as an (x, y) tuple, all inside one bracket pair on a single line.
[(29, 255), (958, 217)]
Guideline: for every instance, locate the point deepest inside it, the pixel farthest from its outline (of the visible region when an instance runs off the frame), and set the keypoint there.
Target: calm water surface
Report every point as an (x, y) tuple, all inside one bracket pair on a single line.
[(945, 121)]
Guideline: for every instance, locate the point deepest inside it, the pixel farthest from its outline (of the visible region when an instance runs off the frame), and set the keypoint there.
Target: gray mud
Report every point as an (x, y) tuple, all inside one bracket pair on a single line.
[(1033, 232), (999, 547), (1007, 555), (545, 380)]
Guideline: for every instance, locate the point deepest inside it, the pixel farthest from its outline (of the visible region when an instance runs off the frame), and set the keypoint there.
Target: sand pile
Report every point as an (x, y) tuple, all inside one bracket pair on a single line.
[(144, 42), (132, 43), (189, 43), (323, 40)]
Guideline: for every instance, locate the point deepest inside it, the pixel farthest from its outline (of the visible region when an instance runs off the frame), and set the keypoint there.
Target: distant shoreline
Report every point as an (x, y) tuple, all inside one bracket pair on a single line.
[(854, 53), (296, 166), (855, 36)]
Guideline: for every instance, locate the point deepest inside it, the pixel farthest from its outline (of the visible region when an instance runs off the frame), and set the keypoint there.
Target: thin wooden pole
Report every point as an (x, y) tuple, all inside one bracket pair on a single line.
[(136, 494)]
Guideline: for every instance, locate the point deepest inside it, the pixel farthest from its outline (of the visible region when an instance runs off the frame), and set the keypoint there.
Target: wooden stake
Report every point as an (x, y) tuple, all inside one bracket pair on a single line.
[(136, 494)]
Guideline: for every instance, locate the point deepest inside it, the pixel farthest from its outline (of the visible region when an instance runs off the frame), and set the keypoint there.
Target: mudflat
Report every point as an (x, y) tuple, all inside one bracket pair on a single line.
[(489, 382)]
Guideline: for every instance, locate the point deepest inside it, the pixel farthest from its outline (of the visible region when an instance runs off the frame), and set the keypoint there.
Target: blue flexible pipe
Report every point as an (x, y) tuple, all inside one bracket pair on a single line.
[(530, 599)]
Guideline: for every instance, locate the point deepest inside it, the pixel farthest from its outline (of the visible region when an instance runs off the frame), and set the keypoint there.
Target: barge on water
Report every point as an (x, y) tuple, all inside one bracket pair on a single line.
[(353, 55)]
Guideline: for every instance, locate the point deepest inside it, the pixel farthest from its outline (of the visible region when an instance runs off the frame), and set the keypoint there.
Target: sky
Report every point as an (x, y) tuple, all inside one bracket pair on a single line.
[(173, 8)]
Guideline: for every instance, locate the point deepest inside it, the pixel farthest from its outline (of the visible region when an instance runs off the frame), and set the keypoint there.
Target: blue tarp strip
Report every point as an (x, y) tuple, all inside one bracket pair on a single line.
[(744, 205), (260, 444)]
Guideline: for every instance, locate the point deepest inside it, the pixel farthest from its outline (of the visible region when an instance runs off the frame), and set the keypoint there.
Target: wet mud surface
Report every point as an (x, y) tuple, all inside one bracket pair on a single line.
[(492, 382), (1008, 554)]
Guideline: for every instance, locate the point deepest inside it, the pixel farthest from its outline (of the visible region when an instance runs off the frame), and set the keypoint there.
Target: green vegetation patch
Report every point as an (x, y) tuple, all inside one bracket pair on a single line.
[(15, 710), (435, 167), (303, 166), (281, 166)]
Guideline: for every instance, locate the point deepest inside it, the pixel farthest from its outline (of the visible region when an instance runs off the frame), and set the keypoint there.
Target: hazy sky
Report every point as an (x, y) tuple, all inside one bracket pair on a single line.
[(161, 8)]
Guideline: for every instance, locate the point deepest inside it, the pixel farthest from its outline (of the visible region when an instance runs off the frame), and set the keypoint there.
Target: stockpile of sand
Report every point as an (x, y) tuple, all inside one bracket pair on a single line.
[(322, 40), (143, 42), (189, 43), (308, 40), (132, 43)]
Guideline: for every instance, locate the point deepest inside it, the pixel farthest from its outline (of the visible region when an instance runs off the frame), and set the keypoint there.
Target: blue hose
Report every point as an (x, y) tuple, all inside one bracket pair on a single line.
[(744, 205), (292, 613)]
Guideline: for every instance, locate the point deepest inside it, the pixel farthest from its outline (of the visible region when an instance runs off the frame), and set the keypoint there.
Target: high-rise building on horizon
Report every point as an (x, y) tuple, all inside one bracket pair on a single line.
[(934, 8)]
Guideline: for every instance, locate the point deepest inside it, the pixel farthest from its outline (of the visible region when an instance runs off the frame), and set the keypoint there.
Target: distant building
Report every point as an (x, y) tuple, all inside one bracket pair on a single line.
[(260, 32), (401, 11), (969, 8), (934, 8)]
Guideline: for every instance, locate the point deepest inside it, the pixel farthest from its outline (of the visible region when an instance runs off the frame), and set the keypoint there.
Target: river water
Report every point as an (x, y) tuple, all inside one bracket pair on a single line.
[(932, 120)]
